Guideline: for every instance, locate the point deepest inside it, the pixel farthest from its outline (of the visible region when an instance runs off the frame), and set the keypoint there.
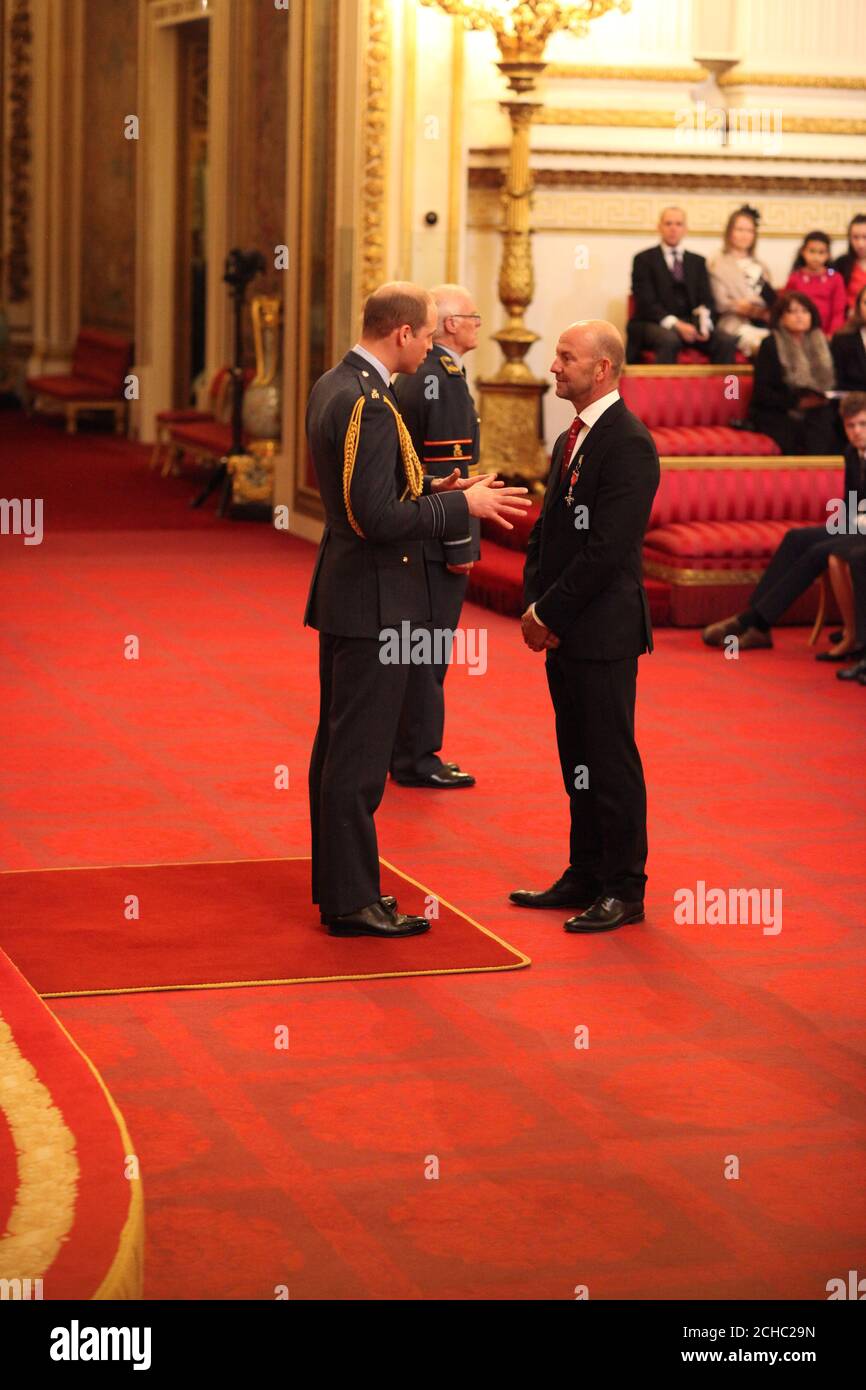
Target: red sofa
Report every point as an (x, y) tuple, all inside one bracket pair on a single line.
[(725, 500), (694, 414), (100, 364)]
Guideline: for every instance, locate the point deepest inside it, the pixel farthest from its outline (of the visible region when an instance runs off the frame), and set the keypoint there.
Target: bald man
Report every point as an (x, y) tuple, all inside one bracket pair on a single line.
[(673, 302), (587, 610), (441, 417), (370, 577)]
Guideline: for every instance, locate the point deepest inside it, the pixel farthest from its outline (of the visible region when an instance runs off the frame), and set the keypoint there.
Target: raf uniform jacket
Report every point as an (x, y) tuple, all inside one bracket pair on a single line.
[(587, 582), (370, 571), (440, 415)]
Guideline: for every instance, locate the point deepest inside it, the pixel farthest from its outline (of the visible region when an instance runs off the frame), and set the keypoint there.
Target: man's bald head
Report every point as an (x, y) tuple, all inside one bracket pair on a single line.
[(589, 360)]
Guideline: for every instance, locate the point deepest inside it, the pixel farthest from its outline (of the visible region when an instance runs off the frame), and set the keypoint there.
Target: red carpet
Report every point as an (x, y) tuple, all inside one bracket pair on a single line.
[(70, 1213), (248, 922), (558, 1166)]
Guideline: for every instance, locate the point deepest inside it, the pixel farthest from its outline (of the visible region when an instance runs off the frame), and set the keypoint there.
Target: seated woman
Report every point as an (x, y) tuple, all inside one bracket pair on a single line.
[(793, 370), (814, 277), (803, 555), (852, 265), (849, 349), (741, 283)]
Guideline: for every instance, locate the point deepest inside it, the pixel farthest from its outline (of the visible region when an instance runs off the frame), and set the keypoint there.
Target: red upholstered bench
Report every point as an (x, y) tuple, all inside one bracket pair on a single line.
[(713, 531), (207, 436), (100, 363), (692, 414)]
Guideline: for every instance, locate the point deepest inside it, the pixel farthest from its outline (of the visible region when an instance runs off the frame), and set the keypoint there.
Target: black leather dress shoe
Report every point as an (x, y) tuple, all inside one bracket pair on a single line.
[(606, 914), (852, 655), (376, 920), (445, 779), (387, 900), (565, 892), (853, 673)]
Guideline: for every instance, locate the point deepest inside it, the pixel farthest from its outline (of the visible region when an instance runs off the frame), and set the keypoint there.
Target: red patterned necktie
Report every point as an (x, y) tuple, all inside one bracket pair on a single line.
[(576, 427)]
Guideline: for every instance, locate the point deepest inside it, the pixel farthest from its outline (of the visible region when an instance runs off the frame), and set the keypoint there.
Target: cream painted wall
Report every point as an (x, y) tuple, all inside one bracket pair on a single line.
[(776, 36)]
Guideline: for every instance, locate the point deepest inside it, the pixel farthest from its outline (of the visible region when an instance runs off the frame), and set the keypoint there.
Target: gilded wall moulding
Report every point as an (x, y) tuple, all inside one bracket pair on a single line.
[(20, 80), (737, 77), (671, 120), (606, 210), (672, 179), (376, 121)]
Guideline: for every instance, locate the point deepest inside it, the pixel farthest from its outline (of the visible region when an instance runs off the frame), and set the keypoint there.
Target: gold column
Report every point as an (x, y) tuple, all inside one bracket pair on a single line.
[(511, 424)]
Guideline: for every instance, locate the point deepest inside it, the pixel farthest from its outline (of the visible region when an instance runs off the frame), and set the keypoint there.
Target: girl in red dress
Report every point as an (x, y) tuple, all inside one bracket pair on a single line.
[(817, 280)]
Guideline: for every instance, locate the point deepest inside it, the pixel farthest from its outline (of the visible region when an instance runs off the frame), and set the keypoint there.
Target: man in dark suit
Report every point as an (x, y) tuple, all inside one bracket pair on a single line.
[(804, 553), (586, 607), (441, 417), (848, 347), (673, 302), (371, 576), (857, 566)]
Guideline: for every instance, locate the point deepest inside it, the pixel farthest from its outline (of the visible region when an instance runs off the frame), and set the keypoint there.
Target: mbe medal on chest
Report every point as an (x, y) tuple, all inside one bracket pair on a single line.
[(575, 474)]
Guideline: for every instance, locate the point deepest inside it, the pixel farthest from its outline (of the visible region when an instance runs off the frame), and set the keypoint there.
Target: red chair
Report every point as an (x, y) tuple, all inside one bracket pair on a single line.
[(100, 364), (216, 394)]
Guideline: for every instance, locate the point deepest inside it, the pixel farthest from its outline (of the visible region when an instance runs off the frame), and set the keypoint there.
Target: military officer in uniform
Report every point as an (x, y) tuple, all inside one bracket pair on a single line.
[(370, 575), (440, 415)]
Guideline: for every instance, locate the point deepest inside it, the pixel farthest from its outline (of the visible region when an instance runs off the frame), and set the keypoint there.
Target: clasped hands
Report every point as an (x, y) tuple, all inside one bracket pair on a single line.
[(536, 636)]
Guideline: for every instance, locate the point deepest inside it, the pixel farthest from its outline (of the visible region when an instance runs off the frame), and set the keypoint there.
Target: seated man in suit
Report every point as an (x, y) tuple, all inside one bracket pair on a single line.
[(673, 302), (587, 609), (804, 554), (856, 579)]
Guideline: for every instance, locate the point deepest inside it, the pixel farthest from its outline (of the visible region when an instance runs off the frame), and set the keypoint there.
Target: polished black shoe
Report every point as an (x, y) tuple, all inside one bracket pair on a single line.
[(376, 920), (445, 779), (606, 914), (565, 892), (853, 673), (853, 654), (387, 900)]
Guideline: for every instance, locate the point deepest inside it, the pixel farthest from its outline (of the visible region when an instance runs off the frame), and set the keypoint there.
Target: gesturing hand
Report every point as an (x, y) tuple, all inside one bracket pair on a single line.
[(487, 498), (456, 483)]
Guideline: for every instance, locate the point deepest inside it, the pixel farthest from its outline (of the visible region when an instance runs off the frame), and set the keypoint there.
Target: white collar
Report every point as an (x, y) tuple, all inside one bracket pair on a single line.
[(592, 413), (669, 251), (374, 362)]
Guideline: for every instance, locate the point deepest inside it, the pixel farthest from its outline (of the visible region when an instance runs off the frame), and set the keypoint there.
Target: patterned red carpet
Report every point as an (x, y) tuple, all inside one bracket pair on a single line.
[(315, 1166)]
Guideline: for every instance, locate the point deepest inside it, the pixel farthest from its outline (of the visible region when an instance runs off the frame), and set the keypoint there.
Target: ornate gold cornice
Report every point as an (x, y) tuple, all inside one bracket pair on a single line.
[(670, 120), (19, 147), (738, 77), (611, 72), (673, 179), (744, 77), (719, 155), (375, 156)]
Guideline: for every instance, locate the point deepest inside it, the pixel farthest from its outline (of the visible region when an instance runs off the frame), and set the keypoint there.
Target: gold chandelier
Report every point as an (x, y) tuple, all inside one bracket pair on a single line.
[(511, 434)]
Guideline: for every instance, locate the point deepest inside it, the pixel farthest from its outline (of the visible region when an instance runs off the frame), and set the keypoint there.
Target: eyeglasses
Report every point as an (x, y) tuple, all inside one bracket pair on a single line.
[(476, 317)]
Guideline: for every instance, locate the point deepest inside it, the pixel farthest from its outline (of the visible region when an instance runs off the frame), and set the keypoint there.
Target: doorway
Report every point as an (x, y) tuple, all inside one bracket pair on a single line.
[(193, 62)]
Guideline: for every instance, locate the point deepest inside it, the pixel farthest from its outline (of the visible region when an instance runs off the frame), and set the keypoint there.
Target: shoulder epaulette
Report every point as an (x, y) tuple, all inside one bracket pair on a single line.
[(449, 365)]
